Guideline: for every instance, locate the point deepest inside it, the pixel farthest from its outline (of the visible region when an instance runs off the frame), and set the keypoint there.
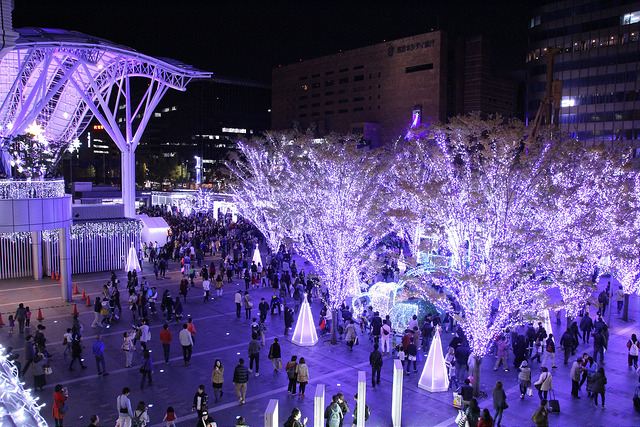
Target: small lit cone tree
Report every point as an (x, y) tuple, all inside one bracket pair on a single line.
[(333, 201), (490, 204), (257, 258), (132, 260), (305, 333), (434, 374)]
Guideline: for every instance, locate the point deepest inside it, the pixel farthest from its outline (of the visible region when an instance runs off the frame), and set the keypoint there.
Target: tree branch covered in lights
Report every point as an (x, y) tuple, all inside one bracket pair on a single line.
[(509, 209), (259, 174), (32, 156)]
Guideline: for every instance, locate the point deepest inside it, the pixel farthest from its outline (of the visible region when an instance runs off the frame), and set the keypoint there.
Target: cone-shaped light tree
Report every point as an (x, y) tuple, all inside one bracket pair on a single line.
[(501, 204)]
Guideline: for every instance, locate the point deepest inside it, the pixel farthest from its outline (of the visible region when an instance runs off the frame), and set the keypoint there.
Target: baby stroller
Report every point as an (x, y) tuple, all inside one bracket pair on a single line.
[(112, 317)]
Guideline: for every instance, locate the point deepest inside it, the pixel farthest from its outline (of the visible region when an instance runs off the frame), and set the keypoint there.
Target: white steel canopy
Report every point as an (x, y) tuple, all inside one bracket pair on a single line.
[(59, 80)]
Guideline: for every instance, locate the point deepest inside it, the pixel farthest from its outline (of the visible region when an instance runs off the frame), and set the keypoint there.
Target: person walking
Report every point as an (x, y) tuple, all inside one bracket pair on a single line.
[(206, 287), (123, 404), (292, 375), (238, 301), (166, 337), (599, 383), (29, 353), (333, 414), (350, 334), (620, 299), (633, 346), (599, 346), (37, 367), (375, 360), (59, 410), (254, 354), (219, 284), (76, 353), (186, 341), (550, 352), (502, 354), (200, 401), (524, 378), (240, 379), (20, 317), (499, 402), (146, 369), (97, 316), (302, 372), (473, 412), (544, 383), (275, 355), (248, 305), (217, 379), (128, 347), (576, 370), (386, 336), (145, 334), (586, 326), (568, 343), (288, 319), (98, 354), (541, 415)]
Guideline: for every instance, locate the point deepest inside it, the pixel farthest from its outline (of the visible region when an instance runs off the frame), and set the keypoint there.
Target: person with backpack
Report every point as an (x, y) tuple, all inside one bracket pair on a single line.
[(633, 345), (140, 416), (333, 413), (367, 412), (291, 375)]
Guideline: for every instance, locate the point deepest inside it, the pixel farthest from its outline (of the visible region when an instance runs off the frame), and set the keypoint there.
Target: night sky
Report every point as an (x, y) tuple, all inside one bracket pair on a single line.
[(248, 38)]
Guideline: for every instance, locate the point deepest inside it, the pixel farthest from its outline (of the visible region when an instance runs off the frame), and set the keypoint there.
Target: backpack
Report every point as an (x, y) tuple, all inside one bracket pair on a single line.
[(291, 372), (633, 348), (334, 416)]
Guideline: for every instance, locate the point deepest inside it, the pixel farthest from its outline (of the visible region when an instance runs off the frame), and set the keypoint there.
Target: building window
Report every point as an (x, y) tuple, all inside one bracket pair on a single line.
[(630, 18), (315, 104), (315, 95), (300, 107), (342, 70), (303, 115), (329, 93), (328, 83), (328, 73), (328, 103), (303, 97), (328, 112), (344, 110), (358, 109), (343, 80), (358, 67), (358, 78), (304, 87), (358, 99), (315, 114), (342, 91), (358, 89), (343, 101), (315, 85), (422, 67), (303, 78), (315, 75)]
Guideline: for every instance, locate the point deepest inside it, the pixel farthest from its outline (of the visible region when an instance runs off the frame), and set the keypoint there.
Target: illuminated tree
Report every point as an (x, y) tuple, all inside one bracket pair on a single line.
[(326, 197), (508, 209)]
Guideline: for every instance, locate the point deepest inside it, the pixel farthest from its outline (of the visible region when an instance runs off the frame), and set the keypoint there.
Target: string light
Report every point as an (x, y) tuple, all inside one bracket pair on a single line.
[(17, 403), (16, 189)]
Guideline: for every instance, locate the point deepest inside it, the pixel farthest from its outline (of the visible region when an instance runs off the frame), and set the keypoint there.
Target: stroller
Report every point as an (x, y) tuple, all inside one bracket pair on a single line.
[(112, 317)]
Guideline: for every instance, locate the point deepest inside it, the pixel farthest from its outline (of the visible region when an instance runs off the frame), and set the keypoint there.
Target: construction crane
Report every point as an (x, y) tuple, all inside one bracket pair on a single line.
[(553, 94)]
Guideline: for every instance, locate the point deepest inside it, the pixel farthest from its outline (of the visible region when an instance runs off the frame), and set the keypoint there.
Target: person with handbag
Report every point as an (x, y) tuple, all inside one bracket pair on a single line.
[(60, 396), (302, 372), (541, 416), (544, 383), (248, 305), (217, 378), (38, 367), (524, 378), (146, 369), (499, 402)]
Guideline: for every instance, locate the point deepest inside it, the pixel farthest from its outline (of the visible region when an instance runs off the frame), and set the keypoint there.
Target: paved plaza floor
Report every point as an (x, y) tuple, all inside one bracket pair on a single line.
[(221, 335)]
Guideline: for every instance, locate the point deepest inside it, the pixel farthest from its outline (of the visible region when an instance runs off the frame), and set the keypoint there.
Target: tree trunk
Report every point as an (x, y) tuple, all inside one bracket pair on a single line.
[(569, 322), (476, 376), (334, 326), (625, 308)]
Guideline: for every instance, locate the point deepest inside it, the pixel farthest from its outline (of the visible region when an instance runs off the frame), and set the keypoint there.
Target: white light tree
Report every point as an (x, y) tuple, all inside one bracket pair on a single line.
[(328, 199), (498, 203)]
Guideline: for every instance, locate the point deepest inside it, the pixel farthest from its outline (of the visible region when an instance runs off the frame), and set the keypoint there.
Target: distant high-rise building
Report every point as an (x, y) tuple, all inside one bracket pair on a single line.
[(380, 91), (595, 47)]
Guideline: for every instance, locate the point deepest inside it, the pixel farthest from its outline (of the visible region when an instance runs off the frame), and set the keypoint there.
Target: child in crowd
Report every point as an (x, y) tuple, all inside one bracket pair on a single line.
[(27, 322), (170, 417), (67, 338), (537, 351), (12, 323), (401, 355)]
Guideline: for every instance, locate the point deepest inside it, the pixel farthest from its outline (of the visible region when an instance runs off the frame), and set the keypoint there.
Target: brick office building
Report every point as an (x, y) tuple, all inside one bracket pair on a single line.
[(380, 90)]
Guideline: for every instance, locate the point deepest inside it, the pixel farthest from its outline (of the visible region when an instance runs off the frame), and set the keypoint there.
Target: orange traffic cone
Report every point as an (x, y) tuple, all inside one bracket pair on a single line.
[(84, 296), (75, 310), (75, 289), (1, 322), (53, 275), (40, 316), (59, 277), (88, 301)]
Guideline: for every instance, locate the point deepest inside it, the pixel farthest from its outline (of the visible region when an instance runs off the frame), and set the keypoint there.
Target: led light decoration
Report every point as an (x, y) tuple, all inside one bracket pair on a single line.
[(434, 376), (132, 260), (256, 256), (17, 189), (17, 405), (508, 209), (305, 332)]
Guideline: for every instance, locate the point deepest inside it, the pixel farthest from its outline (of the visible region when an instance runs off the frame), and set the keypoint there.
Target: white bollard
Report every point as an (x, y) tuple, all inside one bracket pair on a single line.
[(271, 414), (362, 397), (318, 406), (396, 397)]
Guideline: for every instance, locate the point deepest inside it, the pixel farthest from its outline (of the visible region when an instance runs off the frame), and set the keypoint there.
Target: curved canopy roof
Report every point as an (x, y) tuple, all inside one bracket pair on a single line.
[(50, 77)]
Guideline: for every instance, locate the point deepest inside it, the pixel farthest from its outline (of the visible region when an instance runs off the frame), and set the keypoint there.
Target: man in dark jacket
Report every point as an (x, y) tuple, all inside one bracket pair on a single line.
[(568, 343), (200, 401), (263, 308), (598, 347), (376, 327), (375, 360), (288, 319), (462, 361), (586, 326), (240, 379)]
